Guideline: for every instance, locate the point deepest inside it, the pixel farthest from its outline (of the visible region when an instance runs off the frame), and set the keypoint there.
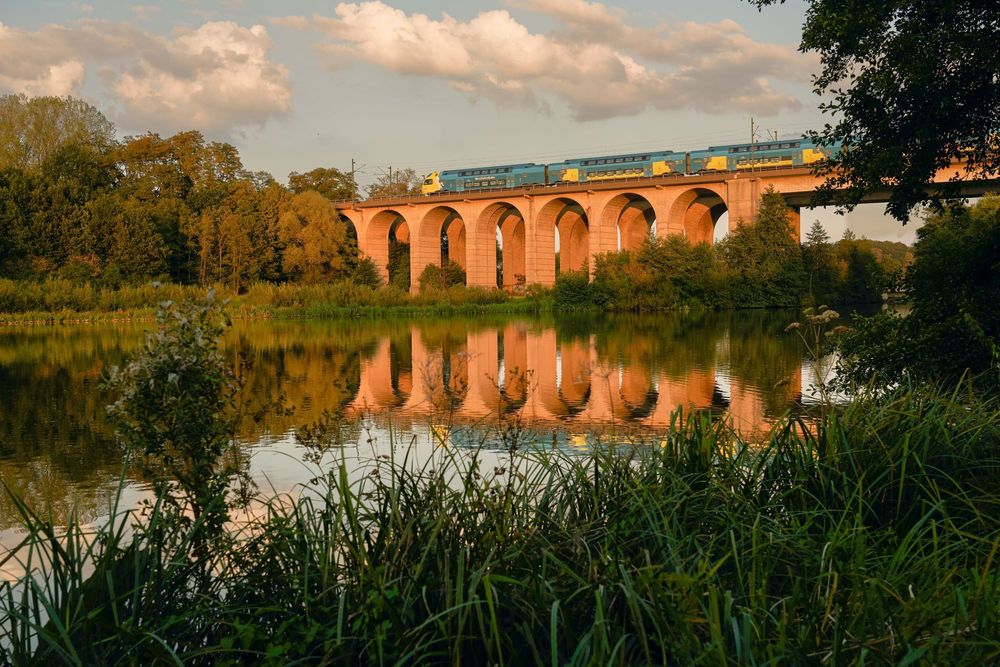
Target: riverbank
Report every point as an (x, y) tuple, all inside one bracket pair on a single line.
[(55, 301), (870, 536), (64, 302)]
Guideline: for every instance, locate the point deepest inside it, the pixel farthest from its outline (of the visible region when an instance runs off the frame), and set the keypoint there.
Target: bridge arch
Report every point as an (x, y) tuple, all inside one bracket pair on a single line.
[(695, 213), (441, 237), (626, 223), (563, 218), (505, 221), (387, 228)]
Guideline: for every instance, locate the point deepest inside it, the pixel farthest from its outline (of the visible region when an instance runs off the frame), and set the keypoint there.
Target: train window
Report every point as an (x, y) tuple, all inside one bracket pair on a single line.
[(429, 181)]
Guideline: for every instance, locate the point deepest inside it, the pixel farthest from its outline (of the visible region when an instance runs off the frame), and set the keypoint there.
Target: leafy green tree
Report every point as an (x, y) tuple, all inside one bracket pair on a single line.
[(954, 325), (913, 86), (819, 259), (766, 256), (399, 264), (332, 183)]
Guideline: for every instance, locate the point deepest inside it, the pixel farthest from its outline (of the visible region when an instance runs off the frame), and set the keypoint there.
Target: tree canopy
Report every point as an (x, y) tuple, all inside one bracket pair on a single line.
[(33, 129), (912, 86)]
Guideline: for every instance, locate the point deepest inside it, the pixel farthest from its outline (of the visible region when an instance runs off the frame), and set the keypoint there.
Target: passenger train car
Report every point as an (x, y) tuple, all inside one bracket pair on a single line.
[(736, 157)]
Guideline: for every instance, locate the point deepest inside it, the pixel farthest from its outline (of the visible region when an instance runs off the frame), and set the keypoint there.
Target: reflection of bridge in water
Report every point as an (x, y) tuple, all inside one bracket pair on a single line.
[(546, 381)]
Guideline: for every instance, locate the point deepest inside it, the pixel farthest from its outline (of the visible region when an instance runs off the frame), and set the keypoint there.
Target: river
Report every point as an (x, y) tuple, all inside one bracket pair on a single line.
[(567, 381)]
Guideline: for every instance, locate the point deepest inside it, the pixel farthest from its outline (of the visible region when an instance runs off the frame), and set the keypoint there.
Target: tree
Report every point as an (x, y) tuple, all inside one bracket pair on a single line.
[(33, 129), (395, 183), (317, 246), (818, 254), (333, 184), (954, 325), (915, 85), (766, 255)]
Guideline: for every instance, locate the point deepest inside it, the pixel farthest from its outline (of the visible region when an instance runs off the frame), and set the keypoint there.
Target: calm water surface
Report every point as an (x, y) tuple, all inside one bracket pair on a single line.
[(569, 380)]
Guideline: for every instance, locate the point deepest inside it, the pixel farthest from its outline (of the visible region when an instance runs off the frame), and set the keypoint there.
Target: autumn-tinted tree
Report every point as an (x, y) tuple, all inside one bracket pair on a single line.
[(333, 184), (317, 246), (33, 129), (913, 85), (395, 183)]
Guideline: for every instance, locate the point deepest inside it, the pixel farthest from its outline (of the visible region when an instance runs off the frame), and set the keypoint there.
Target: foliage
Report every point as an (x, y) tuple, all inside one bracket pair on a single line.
[(366, 274), (573, 290), (765, 255), (332, 183), (33, 130), (868, 536), (317, 246), (399, 265), (953, 326), (915, 85), (177, 413), (395, 183), (448, 275)]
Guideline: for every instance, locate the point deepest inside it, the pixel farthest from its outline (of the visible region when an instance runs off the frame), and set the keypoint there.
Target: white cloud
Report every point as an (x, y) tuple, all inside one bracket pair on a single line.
[(144, 12), (212, 78), (595, 62)]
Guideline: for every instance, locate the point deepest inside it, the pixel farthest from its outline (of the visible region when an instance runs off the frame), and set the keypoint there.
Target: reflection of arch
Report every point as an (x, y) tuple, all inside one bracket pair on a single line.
[(483, 263), (698, 211), (637, 391), (385, 225), (574, 376), (631, 216), (567, 217), (440, 221)]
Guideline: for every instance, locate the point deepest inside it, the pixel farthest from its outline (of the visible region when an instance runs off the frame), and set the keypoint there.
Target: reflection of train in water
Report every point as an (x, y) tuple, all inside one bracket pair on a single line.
[(737, 157)]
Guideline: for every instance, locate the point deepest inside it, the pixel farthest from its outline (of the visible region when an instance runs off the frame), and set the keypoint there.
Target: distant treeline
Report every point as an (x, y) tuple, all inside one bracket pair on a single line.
[(79, 205)]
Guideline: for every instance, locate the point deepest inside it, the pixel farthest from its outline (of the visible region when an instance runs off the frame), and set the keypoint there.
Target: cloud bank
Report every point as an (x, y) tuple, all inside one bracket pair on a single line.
[(216, 77), (595, 61)]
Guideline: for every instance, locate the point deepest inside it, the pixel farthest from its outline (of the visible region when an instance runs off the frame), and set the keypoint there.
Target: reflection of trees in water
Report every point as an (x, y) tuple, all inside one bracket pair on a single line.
[(57, 448)]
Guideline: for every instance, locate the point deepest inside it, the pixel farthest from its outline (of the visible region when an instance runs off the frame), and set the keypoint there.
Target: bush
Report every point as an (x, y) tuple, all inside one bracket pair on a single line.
[(437, 277), (573, 290), (366, 274)]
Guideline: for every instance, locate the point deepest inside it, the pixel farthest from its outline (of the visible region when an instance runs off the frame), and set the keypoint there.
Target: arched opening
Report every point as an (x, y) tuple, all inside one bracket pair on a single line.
[(562, 239), (499, 250), (697, 214), (442, 240), (388, 244), (627, 222), (352, 240)]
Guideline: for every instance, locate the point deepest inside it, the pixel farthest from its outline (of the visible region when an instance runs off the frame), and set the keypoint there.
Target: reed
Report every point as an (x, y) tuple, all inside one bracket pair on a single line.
[(868, 537)]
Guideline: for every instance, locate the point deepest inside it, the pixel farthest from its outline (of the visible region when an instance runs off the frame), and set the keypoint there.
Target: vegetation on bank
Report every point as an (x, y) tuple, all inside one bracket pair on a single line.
[(87, 223), (953, 326), (868, 537)]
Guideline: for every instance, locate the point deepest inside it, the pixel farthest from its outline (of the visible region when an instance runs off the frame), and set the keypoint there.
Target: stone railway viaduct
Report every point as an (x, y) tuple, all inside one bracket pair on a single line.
[(590, 219)]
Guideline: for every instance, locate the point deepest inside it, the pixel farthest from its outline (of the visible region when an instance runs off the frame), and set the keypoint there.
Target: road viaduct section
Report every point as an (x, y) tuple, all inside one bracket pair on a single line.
[(590, 219)]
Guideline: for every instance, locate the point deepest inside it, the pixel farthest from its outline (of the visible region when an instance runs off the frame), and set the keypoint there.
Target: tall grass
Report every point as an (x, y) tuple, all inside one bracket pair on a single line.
[(871, 537)]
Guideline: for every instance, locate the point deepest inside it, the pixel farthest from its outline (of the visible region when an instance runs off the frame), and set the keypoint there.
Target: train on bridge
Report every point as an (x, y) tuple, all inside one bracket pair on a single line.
[(736, 157)]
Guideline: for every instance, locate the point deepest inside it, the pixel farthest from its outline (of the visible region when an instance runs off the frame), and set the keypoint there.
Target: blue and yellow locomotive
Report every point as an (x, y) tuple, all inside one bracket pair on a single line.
[(736, 157)]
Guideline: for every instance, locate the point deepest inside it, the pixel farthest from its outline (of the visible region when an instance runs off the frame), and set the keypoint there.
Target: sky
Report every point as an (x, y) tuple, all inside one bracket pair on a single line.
[(431, 85)]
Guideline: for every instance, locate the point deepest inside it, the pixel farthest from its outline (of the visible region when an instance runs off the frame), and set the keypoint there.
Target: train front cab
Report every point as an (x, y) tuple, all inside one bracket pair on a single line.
[(431, 184)]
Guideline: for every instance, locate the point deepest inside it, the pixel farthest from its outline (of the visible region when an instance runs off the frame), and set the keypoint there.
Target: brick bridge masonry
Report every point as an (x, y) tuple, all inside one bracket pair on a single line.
[(590, 218)]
